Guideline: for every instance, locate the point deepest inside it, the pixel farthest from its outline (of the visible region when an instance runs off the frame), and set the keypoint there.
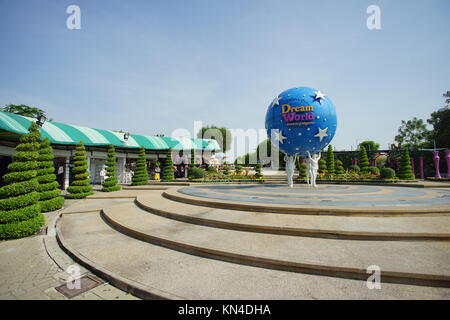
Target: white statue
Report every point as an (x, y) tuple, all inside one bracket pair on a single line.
[(290, 167), (313, 167)]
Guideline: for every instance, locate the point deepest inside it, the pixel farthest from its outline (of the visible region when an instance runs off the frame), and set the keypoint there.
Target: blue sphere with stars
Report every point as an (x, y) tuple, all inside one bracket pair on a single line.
[(301, 119)]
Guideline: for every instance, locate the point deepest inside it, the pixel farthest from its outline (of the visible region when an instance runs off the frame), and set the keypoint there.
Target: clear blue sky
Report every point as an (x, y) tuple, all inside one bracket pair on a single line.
[(150, 67)]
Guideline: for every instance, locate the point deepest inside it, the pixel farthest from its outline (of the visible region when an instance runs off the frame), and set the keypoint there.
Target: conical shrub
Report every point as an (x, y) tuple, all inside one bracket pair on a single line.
[(363, 161), (258, 171), (405, 172), (322, 166), (111, 183), (301, 166), (81, 186), (168, 168), (19, 200), (330, 160), (140, 176), (339, 168), (49, 193)]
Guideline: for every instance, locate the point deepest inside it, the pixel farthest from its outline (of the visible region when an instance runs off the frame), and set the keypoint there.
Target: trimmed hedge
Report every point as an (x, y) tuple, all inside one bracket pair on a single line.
[(387, 173), (374, 170), (48, 187), (196, 173), (140, 176), (80, 187), (355, 168), (19, 207), (111, 183), (168, 168)]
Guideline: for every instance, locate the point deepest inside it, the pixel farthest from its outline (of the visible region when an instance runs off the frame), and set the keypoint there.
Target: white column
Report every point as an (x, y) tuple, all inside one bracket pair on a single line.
[(66, 174), (121, 169)]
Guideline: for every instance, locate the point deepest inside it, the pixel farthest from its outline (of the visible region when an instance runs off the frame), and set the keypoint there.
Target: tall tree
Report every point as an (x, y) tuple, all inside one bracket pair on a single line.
[(80, 186), (23, 110), (330, 160), (19, 200), (412, 133), (440, 120), (140, 176), (370, 145), (221, 134), (49, 193), (111, 183)]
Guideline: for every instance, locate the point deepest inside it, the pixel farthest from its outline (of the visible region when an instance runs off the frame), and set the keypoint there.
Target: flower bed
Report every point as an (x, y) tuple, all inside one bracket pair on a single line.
[(226, 180), (437, 179)]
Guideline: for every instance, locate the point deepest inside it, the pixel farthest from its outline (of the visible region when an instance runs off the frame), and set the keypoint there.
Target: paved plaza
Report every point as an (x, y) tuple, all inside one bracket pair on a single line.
[(169, 244)]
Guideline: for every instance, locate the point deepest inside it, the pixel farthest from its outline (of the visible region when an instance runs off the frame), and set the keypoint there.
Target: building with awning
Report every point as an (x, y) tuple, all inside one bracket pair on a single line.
[(64, 137)]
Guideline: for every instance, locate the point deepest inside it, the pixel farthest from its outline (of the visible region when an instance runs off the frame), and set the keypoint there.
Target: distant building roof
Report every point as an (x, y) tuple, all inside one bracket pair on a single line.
[(60, 133)]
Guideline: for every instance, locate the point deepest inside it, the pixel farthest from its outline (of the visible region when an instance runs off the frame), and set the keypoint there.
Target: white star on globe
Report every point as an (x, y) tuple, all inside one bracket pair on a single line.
[(322, 134), (319, 96), (278, 135), (276, 101)]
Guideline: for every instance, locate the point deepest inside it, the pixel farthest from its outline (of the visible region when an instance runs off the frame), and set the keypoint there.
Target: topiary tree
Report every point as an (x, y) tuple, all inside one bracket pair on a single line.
[(322, 166), (258, 173), (140, 176), (111, 183), (405, 172), (49, 193), (193, 164), (301, 166), (355, 168), (339, 168), (330, 160), (168, 168), (81, 186), (19, 207), (238, 169), (363, 161)]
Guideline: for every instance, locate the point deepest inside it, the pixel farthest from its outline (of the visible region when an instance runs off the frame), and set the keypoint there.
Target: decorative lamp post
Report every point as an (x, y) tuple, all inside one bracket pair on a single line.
[(436, 159)]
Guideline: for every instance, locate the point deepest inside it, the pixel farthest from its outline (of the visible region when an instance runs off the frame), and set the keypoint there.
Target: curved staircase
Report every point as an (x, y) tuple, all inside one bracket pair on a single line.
[(157, 247)]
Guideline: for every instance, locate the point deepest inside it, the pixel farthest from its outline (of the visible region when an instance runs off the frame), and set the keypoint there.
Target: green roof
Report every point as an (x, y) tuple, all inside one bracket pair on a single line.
[(60, 133)]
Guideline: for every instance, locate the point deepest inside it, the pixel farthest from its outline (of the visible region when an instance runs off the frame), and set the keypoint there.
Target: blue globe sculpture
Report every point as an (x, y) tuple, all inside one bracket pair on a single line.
[(300, 120)]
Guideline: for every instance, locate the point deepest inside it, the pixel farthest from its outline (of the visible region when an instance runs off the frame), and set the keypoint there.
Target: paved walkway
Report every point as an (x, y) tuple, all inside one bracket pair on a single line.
[(31, 268)]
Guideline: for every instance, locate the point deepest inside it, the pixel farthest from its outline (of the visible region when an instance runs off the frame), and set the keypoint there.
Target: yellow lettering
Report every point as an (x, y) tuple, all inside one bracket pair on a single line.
[(286, 108)]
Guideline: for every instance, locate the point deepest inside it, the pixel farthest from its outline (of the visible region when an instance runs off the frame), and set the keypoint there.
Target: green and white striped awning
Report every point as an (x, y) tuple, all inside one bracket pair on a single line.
[(60, 133)]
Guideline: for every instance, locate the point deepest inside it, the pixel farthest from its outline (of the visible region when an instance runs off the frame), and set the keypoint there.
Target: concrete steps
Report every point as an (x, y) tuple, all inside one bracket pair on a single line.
[(155, 272), (337, 227), (422, 262), (316, 209)]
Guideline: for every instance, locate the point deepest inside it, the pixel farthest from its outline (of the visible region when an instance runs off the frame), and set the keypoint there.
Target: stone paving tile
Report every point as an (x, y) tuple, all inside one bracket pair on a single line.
[(31, 268)]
